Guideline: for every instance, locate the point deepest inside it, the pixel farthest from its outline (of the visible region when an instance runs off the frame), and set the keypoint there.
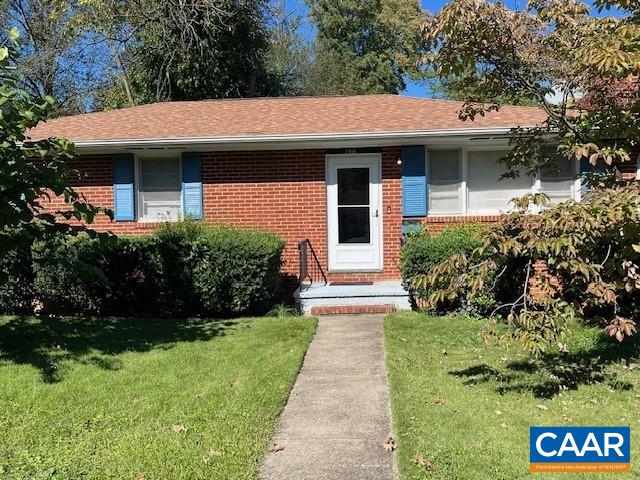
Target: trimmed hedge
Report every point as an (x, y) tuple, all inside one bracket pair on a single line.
[(16, 282), (183, 269), (422, 251), (239, 271)]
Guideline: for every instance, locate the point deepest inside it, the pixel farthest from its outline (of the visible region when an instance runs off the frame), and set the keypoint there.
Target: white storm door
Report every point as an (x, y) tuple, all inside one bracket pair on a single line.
[(354, 212)]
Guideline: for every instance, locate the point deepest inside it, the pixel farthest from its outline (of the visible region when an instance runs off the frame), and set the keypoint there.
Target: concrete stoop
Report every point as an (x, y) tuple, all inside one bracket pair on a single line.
[(331, 299)]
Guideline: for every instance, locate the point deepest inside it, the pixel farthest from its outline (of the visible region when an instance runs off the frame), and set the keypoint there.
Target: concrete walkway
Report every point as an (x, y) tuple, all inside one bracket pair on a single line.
[(337, 417)]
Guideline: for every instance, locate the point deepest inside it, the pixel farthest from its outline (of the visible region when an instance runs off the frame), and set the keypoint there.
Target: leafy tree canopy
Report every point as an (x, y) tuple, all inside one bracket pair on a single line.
[(59, 55), (552, 53), (583, 71), (368, 46), (185, 50), (33, 171)]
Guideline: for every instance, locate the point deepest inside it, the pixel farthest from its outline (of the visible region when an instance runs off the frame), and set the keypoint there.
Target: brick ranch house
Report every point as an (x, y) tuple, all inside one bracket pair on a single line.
[(347, 174)]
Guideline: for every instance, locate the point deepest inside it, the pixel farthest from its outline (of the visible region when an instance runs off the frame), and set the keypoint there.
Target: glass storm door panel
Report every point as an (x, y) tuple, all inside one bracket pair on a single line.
[(354, 222), (353, 197)]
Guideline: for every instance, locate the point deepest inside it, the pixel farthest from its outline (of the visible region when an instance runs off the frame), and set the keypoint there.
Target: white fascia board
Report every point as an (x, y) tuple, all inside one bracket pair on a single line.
[(333, 140)]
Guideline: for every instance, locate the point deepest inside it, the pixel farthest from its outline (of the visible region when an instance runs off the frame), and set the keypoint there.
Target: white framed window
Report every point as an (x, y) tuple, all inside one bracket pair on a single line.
[(486, 192), (558, 180), (444, 174), (467, 182), (159, 185)]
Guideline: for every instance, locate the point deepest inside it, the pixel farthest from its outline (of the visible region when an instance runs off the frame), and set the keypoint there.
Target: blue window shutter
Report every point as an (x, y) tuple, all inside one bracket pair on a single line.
[(124, 204), (414, 182), (192, 186)]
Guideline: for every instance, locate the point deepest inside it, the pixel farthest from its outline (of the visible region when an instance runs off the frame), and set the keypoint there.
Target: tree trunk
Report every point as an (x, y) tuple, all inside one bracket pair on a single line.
[(123, 70)]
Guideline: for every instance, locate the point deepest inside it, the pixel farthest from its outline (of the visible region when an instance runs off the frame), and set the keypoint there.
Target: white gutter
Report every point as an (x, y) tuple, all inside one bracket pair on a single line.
[(307, 137)]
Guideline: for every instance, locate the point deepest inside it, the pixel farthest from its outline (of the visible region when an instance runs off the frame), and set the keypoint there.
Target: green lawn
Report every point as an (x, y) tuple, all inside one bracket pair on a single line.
[(135, 398), (465, 408)]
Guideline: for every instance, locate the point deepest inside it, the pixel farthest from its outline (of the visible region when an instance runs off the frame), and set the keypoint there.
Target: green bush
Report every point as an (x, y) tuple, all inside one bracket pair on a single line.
[(237, 271), (115, 276), (422, 251), (173, 244), (16, 282), (183, 269)]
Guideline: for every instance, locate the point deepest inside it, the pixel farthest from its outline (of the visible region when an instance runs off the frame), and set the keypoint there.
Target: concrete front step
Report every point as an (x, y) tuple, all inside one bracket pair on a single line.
[(380, 297)]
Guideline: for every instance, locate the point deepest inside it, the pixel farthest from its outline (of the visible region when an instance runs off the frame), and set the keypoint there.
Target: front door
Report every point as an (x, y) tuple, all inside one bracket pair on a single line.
[(353, 212)]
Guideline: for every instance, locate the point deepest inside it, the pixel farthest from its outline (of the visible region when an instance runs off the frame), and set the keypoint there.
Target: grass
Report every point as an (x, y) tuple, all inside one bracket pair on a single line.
[(145, 399), (462, 409)]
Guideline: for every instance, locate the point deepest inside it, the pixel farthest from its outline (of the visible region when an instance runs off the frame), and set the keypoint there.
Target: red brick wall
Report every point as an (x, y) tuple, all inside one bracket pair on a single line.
[(280, 191), (285, 192)]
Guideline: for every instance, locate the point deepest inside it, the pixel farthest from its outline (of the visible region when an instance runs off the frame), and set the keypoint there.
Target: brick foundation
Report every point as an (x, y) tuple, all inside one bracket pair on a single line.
[(351, 309)]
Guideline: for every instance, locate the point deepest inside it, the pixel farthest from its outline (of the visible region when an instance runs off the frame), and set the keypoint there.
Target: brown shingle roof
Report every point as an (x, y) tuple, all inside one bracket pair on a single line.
[(278, 116)]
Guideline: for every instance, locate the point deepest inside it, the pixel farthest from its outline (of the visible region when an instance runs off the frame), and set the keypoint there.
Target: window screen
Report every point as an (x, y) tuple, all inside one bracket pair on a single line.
[(486, 193), (557, 181), (445, 193), (160, 189)]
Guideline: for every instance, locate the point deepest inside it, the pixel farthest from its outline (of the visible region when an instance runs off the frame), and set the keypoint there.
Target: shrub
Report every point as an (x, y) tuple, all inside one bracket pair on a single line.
[(176, 295), (183, 269), (97, 276), (236, 271), (16, 282), (422, 251), (577, 259)]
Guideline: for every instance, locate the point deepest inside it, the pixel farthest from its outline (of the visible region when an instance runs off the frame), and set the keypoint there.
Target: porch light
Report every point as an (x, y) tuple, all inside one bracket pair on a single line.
[(399, 161)]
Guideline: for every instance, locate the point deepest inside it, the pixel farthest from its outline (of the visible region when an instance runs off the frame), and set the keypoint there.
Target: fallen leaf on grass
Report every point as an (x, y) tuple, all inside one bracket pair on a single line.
[(437, 401), (420, 460), (275, 448), (498, 412), (542, 407), (138, 476), (178, 428), (211, 455), (389, 444), (503, 425)]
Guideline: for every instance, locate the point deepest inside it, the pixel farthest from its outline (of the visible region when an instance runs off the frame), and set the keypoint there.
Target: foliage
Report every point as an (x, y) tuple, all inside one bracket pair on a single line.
[(172, 245), (498, 394), (84, 397), (582, 71), (32, 171), (90, 276), (282, 310), (184, 50), (183, 269), (235, 271), (364, 47), (552, 53), (288, 56), (589, 254), (422, 251), (16, 287), (59, 55)]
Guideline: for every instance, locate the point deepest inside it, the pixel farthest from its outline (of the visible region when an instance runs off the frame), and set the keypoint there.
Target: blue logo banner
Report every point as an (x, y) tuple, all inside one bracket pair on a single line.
[(580, 448)]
